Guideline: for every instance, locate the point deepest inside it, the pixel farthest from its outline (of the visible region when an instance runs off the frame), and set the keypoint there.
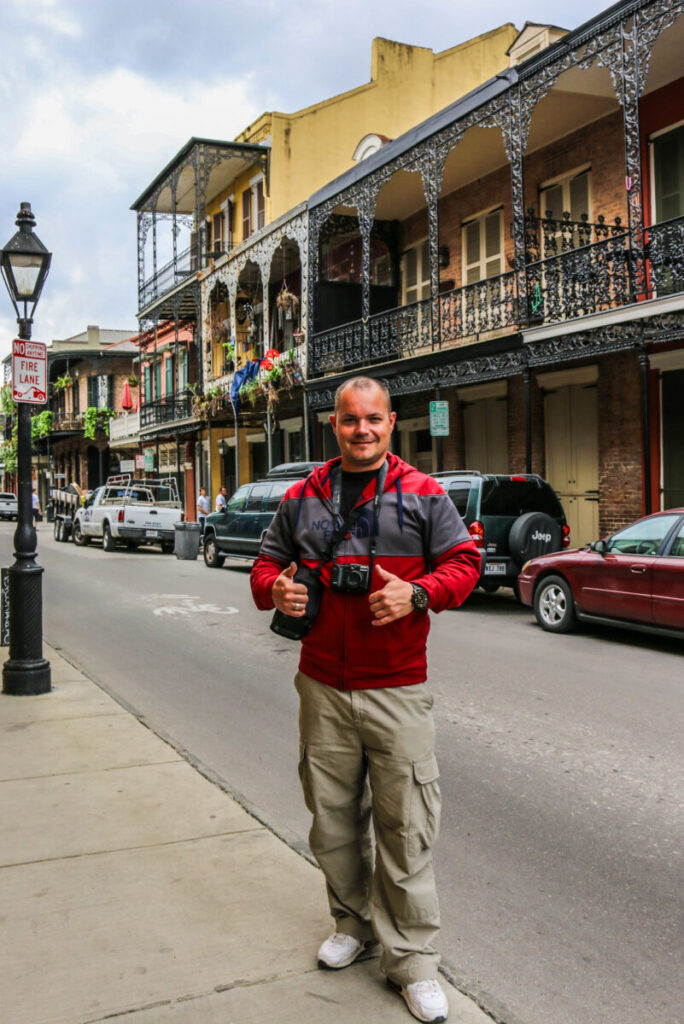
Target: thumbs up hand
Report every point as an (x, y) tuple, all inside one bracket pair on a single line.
[(289, 597), (393, 601)]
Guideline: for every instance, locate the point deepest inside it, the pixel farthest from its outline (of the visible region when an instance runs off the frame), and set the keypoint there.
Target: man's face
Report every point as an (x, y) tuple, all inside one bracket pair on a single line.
[(362, 426)]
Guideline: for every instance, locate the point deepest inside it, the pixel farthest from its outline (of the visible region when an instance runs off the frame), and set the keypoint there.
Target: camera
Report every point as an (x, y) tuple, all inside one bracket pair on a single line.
[(350, 579)]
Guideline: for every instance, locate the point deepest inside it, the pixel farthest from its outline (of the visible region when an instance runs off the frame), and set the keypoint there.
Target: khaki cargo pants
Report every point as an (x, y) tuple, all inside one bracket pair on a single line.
[(372, 751)]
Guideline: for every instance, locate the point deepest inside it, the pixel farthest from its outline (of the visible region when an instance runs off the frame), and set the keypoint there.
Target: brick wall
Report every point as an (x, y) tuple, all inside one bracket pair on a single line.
[(620, 441), (517, 431)]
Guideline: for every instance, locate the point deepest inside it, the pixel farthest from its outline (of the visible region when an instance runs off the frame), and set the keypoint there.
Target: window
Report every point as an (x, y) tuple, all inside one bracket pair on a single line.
[(642, 538), (183, 369), (459, 492), (501, 497), (416, 273), (275, 497), (668, 174), (75, 398), (246, 213), (147, 383), (256, 497), (483, 247), (677, 549), (237, 501), (230, 217), (158, 379), (569, 194)]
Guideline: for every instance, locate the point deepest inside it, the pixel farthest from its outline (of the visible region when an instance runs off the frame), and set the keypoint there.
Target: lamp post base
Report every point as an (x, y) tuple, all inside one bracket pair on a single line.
[(26, 678)]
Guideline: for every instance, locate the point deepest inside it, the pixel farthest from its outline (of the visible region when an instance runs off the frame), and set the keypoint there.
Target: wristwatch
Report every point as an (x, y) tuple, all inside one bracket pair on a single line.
[(420, 598)]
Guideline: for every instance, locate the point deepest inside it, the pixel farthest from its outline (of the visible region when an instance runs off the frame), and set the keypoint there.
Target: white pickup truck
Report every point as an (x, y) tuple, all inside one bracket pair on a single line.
[(131, 512)]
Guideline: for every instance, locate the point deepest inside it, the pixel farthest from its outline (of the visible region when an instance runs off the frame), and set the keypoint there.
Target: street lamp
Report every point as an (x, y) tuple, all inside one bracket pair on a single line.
[(24, 263)]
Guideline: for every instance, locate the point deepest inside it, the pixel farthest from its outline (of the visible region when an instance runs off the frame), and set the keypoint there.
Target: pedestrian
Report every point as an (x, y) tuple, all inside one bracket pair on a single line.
[(35, 509), (220, 500), (397, 548), (203, 509)]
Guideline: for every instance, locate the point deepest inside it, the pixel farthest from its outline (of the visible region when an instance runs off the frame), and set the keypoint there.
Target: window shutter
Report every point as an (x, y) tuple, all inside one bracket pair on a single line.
[(92, 392), (169, 376), (147, 384), (260, 205), (246, 213), (110, 391)]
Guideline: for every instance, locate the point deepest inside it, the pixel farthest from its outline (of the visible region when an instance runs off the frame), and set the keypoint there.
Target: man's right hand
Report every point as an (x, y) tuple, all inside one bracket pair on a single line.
[(289, 597)]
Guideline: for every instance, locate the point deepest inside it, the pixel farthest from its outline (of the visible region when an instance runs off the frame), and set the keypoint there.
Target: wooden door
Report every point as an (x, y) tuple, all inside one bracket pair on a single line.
[(571, 422), (486, 435)]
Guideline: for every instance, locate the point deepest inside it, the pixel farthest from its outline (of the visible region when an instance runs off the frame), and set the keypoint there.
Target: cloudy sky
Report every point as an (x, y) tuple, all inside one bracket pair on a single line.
[(97, 95)]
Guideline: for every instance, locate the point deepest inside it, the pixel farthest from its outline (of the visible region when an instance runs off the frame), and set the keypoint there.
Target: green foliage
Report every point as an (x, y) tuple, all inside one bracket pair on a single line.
[(8, 455), (7, 404), (41, 424), (133, 381), (62, 383), (96, 419)]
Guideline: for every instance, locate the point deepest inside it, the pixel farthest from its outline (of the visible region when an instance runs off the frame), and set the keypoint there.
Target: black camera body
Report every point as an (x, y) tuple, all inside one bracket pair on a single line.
[(350, 578)]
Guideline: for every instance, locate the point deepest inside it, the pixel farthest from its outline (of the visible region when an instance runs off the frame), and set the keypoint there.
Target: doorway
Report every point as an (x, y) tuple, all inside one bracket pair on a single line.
[(571, 422)]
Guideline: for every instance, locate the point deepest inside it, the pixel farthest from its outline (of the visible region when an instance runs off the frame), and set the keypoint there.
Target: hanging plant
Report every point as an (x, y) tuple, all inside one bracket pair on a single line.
[(62, 383), (287, 301), (41, 424), (96, 419), (133, 381)]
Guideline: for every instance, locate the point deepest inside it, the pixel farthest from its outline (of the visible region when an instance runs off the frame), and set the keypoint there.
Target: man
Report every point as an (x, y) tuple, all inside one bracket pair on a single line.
[(366, 727), (35, 508), (220, 500), (202, 509)]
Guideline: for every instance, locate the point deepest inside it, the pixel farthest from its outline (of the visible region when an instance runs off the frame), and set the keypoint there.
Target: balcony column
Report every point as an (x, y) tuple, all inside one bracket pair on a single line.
[(516, 134), (174, 228), (432, 172), (631, 83), (527, 379), (366, 217)]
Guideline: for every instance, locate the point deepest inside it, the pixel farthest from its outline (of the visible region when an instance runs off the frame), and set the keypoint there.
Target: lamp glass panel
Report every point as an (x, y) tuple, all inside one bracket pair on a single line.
[(25, 270)]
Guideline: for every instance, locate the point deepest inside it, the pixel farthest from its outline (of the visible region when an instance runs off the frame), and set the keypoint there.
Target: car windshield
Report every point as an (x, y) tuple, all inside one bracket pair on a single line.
[(509, 497), (8, 497)]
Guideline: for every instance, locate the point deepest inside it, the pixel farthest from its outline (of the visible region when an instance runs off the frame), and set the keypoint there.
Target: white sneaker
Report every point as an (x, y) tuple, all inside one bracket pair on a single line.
[(340, 950), (425, 1000)]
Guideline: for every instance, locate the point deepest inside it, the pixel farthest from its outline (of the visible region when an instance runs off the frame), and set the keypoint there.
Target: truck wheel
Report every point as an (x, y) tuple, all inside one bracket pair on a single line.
[(554, 605), (108, 542), (79, 539), (167, 547), (212, 558), (56, 529)]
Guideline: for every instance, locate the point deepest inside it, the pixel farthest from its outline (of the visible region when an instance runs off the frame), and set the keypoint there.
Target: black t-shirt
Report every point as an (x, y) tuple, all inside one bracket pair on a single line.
[(352, 486)]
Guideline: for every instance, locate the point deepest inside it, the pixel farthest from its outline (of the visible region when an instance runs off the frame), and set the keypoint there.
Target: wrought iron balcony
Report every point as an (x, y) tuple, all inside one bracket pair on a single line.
[(66, 421), (170, 275), (166, 410), (574, 269)]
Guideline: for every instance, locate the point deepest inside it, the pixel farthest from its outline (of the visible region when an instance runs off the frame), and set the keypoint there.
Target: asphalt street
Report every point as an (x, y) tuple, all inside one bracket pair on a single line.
[(560, 859)]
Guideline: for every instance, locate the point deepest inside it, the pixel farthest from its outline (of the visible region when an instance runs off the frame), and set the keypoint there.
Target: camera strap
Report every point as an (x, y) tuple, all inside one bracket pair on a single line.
[(341, 532)]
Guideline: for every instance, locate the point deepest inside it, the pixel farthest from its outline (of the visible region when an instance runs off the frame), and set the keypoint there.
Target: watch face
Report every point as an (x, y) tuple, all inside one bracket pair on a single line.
[(419, 599)]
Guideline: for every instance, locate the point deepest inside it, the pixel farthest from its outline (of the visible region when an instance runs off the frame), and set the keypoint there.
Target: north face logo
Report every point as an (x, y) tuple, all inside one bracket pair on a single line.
[(537, 535)]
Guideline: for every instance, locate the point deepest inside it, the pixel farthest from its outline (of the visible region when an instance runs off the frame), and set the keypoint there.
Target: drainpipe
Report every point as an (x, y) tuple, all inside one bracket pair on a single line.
[(646, 427), (269, 441), (527, 377), (237, 448), (305, 415)]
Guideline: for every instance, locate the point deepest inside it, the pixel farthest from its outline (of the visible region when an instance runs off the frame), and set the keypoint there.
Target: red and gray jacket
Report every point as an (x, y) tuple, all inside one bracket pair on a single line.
[(421, 539)]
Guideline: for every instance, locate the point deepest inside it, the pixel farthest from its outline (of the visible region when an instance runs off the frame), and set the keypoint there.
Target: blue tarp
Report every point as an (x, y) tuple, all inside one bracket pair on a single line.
[(242, 376)]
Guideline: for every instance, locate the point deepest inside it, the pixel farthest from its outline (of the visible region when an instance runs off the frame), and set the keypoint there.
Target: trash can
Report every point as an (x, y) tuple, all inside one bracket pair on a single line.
[(186, 540)]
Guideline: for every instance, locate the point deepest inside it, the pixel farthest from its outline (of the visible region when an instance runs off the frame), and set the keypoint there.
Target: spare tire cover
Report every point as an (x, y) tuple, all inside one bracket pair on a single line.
[(533, 534)]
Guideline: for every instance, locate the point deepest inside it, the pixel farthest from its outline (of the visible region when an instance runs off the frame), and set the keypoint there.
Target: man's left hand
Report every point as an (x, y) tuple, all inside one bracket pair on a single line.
[(393, 601)]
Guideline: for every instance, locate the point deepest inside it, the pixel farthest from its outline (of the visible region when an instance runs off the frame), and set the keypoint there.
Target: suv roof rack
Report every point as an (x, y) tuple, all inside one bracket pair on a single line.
[(292, 470)]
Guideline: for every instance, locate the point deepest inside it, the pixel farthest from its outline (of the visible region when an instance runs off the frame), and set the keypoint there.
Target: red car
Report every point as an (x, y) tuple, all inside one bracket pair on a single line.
[(634, 578)]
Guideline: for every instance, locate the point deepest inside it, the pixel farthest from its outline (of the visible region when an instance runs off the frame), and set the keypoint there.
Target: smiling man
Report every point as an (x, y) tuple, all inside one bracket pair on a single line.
[(367, 734)]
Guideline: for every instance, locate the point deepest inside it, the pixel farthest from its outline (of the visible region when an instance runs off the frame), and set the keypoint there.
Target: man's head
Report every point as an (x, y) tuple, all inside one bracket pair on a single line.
[(223, 491), (203, 492), (362, 422)]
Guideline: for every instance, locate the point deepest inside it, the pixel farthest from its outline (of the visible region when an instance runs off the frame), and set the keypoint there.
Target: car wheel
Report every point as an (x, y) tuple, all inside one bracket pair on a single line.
[(167, 547), (212, 558), (554, 605), (79, 539), (490, 588), (108, 542)]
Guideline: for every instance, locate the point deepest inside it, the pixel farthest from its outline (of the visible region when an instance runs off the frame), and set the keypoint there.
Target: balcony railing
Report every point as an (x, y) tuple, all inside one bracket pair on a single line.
[(166, 410), (66, 421), (127, 425), (574, 269), (185, 264)]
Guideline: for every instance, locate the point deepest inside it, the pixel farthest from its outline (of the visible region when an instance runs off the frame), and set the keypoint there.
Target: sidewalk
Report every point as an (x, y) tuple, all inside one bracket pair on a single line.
[(133, 888)]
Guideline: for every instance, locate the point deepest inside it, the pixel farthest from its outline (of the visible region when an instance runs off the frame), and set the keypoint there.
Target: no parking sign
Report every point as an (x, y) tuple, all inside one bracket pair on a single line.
[(29, 371)]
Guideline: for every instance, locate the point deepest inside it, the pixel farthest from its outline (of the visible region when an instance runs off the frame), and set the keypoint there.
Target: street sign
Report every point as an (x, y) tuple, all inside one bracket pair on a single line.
[(128, 465), (149, 460), (4, 609), (439, 419), (140, 462), (29, 371)]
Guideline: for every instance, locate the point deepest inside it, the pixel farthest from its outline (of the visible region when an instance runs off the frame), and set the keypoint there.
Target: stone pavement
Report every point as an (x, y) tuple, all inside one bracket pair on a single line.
[(133, 888)]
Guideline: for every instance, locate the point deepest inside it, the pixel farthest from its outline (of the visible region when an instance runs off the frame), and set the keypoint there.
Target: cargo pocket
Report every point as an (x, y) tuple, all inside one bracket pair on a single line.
[(426, 805), (303, 769)]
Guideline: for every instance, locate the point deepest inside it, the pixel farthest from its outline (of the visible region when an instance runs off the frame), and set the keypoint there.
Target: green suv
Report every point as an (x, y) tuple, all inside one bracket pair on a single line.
[(510, 518), (238, 530)]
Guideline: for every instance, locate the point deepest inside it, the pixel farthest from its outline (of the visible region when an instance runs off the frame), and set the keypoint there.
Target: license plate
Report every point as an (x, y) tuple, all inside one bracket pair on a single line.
[(495, 569), (152, 533)]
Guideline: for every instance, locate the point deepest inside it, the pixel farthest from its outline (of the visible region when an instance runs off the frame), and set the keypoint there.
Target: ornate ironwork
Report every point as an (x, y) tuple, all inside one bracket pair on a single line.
[(166, 410), (665, 256), (479, 308)]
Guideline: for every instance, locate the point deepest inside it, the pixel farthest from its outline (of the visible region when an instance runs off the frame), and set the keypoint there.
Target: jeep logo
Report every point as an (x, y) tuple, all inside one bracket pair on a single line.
[(537, 535)]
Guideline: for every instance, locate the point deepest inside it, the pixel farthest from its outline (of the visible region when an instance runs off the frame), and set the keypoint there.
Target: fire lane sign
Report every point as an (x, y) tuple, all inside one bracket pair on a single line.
[(29, 371)]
